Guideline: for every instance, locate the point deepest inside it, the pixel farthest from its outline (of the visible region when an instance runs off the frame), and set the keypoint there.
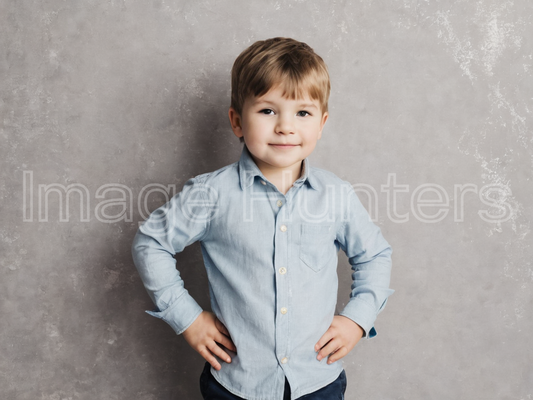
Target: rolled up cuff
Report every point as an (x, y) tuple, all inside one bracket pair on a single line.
[(179, 315), (363, 314)]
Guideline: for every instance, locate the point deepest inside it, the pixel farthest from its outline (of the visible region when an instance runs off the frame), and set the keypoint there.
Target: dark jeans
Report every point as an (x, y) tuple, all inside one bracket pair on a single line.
[(212, 390)]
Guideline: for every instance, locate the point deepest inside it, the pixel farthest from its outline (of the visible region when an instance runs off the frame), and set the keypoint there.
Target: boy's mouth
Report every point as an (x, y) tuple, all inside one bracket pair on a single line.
[(282, 146)]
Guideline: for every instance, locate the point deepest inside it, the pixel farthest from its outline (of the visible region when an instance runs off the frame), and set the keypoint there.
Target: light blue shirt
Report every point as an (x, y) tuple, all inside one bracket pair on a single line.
[(271, 262)]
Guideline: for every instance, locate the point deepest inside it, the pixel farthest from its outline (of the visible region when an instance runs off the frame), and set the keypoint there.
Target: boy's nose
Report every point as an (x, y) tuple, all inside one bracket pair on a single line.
[(284, 126)]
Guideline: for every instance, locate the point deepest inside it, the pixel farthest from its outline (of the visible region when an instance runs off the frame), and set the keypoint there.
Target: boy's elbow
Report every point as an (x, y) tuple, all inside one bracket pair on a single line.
[(386, 251), (140, 247), (381, 253)]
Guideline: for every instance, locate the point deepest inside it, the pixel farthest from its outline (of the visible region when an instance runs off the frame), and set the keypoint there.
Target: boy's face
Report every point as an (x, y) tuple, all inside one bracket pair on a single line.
[(279, 132)]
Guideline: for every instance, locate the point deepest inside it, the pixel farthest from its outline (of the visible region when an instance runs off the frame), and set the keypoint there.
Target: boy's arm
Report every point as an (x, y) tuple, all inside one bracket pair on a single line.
[(370, 257), (157, 268), (369, 254), (169, 229)]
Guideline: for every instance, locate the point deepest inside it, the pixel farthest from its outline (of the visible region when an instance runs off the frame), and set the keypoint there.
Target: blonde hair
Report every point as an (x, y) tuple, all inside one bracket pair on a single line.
[(286, 62)]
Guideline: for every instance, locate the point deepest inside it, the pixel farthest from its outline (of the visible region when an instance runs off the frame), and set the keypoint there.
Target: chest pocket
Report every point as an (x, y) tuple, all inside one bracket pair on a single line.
[(316, 245)]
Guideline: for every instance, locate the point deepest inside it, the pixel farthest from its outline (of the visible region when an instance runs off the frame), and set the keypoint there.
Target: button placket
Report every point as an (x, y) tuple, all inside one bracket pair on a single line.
[(281, 260)]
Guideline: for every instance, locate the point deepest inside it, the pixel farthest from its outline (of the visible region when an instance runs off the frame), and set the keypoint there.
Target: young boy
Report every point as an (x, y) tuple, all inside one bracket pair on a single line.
[(270, 227)]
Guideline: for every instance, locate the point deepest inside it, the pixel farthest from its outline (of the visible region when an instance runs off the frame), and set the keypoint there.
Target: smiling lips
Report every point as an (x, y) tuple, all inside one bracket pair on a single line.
[(283, 146)]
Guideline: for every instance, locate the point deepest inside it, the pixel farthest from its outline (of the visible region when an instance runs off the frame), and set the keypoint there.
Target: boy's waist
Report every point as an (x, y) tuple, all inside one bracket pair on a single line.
[(261, 375)]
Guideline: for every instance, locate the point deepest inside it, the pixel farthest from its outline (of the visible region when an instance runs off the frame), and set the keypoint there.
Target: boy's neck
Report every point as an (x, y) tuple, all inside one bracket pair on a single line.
[(282, 178)]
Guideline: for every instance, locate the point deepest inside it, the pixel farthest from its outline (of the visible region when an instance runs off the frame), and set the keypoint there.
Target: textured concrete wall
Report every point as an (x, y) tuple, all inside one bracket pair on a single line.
[(431, 101)]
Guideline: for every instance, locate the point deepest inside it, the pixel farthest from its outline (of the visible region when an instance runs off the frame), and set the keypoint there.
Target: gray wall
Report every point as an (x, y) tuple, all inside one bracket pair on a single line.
[(432, 94)]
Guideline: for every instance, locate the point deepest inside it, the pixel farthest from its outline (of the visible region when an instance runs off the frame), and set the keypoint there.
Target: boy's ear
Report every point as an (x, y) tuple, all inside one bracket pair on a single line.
[(235, 121), (322, 123)]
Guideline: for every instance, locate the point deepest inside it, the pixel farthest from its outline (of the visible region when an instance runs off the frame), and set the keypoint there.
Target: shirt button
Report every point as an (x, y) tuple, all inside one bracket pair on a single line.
[(283, 228), (263, 182), (279, 203), (283, 270), (283, 310), (284, 360)]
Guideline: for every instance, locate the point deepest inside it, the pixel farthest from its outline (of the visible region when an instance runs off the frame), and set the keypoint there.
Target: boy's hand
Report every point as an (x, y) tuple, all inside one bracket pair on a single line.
[(339, 339), (204, 335)]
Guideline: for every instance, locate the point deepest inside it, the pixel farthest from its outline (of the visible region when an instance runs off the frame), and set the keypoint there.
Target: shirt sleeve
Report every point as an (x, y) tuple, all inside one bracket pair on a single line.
[(369, 255), (167, 231)]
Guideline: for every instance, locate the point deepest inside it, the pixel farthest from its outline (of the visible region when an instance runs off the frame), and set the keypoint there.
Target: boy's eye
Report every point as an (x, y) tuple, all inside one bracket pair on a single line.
[(267, 111), (302, 113)]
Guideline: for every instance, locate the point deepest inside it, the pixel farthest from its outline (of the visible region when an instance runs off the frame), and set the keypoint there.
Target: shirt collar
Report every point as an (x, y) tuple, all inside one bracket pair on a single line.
[(248, 170)]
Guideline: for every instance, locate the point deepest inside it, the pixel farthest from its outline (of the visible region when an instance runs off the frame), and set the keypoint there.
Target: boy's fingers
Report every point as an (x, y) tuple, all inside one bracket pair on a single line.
[(226, 342), (217, 351), (337, 355), (331, 347), (326, 337), (206, 354), (221, 327)]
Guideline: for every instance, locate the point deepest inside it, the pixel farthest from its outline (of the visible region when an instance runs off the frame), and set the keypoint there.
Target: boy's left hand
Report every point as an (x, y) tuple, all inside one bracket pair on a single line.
[(341, 337)]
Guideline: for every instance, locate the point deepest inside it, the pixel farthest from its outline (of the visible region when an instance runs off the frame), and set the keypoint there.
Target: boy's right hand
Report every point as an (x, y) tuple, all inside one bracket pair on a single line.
[(204, 335)]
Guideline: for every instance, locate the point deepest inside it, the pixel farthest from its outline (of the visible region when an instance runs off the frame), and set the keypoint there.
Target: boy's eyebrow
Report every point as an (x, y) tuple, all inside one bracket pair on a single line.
[(301, 105), (307, 105)]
